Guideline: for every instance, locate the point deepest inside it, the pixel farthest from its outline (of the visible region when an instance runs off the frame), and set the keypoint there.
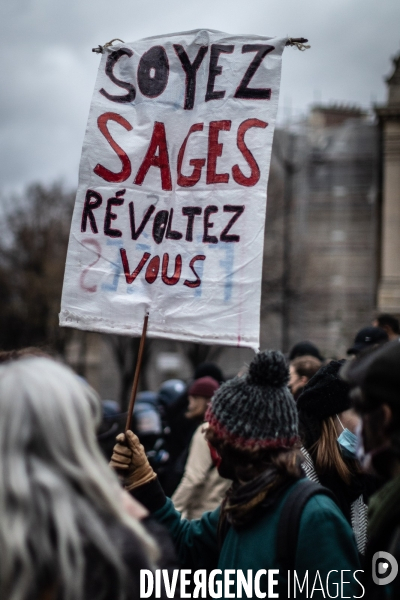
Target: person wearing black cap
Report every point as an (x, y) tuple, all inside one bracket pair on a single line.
[(378, 402), (253, 427), (327, 429), (368, 337)]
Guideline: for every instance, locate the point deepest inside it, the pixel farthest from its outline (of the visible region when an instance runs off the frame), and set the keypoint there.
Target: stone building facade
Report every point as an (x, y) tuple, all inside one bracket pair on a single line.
[(332, 244), (323, 209), (389, 128)]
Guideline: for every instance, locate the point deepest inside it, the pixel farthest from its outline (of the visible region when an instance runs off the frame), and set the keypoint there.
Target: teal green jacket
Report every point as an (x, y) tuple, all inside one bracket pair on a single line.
[(326, 556)]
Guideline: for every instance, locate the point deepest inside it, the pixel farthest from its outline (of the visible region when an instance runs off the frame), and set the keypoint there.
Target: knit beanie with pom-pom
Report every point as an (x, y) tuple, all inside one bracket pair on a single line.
[(257, 410)]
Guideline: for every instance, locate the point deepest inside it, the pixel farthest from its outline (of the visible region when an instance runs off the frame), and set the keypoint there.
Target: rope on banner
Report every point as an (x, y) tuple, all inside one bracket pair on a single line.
[(100, 49), (300, 43)]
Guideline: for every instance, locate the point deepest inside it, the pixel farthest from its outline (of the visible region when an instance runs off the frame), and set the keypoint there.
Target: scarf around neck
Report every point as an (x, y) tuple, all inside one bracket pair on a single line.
[(245, 501)]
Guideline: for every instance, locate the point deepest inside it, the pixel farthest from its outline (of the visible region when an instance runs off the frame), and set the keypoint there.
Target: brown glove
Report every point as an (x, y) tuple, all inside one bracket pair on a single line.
[(129, 456)]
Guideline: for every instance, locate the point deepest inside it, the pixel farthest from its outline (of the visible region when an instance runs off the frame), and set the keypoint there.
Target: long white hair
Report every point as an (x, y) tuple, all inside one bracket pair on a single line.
[(56, 489)]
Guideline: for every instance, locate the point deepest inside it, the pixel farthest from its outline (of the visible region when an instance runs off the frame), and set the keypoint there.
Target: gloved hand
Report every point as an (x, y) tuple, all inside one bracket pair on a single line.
[(129, 456)]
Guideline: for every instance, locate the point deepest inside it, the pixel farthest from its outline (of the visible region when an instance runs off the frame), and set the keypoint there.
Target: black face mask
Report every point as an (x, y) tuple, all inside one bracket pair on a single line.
[(226, 469)]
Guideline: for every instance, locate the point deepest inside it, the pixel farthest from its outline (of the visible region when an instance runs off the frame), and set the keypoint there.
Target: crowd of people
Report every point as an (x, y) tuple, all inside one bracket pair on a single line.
[(282, 480)]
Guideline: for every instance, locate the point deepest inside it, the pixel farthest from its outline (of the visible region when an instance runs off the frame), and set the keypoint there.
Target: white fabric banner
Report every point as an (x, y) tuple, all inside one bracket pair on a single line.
[(170, 209)]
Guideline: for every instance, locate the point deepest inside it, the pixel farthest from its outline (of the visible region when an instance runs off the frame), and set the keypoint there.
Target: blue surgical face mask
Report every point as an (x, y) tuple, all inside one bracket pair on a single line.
[(347, 442)]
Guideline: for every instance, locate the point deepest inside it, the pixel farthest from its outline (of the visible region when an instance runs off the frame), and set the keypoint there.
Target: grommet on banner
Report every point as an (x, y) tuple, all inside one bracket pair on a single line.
[(300, 43), (100, 49)]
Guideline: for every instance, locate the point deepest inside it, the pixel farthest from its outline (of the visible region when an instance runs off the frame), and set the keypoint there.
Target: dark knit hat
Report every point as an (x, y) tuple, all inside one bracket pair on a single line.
[(205, 387), (305, 349), (257, 410), (209, 369), (326, 394)]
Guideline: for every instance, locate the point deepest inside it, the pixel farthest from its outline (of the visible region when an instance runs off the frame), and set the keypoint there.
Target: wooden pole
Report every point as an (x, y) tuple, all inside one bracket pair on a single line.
[(137, 374)]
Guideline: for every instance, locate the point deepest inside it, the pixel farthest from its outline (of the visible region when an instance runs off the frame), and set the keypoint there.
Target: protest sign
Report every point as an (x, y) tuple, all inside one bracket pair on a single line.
[(170, 209)]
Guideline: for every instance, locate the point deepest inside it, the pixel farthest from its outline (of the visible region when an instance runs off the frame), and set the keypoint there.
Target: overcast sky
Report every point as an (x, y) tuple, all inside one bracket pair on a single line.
[(48, 69)]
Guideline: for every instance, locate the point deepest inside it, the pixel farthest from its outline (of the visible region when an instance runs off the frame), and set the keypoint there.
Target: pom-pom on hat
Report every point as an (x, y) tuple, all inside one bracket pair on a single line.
[(257, 410)]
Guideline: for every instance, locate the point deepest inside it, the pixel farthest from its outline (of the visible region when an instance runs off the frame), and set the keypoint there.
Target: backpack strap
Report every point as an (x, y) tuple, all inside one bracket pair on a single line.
[(289, 520)]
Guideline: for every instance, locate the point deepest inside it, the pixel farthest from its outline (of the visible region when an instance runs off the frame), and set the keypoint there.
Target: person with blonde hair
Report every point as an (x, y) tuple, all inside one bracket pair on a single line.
[(65, 531)]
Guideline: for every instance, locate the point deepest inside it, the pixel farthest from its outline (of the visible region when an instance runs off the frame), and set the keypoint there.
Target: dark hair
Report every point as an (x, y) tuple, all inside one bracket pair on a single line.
[(389, 321), (305, 349), (209, 369), (306, 366)]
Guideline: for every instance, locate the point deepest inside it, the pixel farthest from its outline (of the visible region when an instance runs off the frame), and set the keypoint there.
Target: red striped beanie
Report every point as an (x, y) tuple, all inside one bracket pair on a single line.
[(257, 410)]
